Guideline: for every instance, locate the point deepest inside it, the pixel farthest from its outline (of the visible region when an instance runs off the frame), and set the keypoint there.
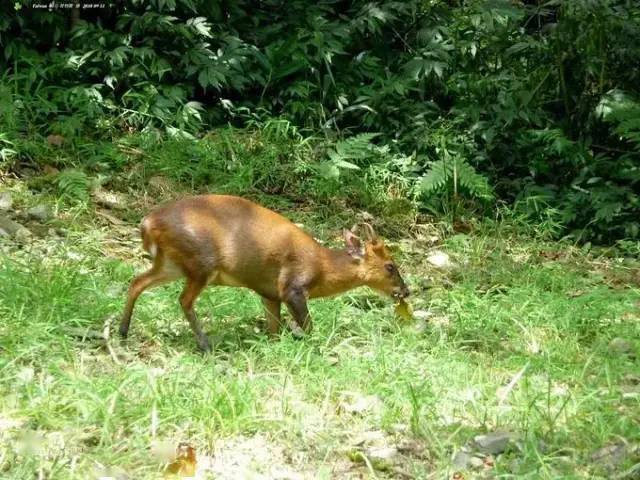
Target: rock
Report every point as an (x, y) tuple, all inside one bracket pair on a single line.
[(462, 459), (6, 201), (108, 199), (42, 213), (14, 229), (466, 460), (610, 457), (494, 443), (381, 457), (22, 235), (439, 259), (333, 360), (620, 346)]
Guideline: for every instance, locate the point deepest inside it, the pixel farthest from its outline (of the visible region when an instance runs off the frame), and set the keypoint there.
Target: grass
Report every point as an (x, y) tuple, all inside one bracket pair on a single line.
[(518, 340)]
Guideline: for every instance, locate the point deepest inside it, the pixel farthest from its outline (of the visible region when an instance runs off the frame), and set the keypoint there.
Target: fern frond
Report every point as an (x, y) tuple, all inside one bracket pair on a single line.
[(476, 184), (73, 184), (436, 177), (358, 146), (441, 175)]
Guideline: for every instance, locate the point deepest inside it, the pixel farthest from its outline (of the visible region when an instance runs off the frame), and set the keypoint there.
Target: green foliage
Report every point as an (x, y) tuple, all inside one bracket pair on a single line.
[(453, 173), (348, 153), (73, 185), (535, 96), (7, 150)]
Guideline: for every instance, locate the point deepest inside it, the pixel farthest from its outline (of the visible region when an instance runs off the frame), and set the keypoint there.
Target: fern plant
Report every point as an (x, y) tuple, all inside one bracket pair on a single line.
[(621, 110), (451, 181), (350, 153), (457, 175), (73, 185)]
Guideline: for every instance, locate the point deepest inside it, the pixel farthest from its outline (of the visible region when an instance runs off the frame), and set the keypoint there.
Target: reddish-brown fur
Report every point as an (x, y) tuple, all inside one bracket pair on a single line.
[(226, 240)]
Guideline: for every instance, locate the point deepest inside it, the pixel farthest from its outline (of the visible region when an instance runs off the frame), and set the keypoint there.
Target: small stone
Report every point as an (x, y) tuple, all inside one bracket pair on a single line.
[(42, 213), (108, 199), (465, 460), (14, 229), (6, 201), (381, 457), (439, 259), (494, 443), (22, 235), (422, 314), (620, 345), (611, 456), (462, 459)]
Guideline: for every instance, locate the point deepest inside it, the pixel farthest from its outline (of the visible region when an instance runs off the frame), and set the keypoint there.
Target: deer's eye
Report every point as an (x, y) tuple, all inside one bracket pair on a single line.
[(390, 267)]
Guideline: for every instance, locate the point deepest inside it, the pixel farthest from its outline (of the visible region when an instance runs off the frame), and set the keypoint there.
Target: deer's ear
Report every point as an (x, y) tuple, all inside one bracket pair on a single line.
[(353, 244)]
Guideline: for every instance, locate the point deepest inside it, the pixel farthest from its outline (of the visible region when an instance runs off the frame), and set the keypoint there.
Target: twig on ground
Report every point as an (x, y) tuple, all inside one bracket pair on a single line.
[(105, 334)]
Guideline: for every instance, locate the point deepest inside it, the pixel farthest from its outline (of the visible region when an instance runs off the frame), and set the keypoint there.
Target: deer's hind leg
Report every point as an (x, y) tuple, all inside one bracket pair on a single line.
[(160, 272)]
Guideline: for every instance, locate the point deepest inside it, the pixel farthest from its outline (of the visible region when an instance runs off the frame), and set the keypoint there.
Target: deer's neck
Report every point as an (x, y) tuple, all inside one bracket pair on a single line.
[(339, 273)]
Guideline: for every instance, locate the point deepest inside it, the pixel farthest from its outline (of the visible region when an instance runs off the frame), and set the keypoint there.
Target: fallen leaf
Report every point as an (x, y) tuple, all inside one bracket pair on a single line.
[(403, 310)]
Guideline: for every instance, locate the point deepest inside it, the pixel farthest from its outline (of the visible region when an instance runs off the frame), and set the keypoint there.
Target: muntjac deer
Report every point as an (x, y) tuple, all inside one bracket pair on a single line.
[(226, 240)]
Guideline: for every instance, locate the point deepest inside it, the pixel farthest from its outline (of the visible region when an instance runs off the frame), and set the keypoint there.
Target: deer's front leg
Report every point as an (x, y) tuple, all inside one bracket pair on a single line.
[(272, 312), (297, 304)]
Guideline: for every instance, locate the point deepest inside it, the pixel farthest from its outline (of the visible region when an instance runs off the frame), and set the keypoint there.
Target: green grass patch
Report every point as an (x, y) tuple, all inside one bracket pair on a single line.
[(510, 305)]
